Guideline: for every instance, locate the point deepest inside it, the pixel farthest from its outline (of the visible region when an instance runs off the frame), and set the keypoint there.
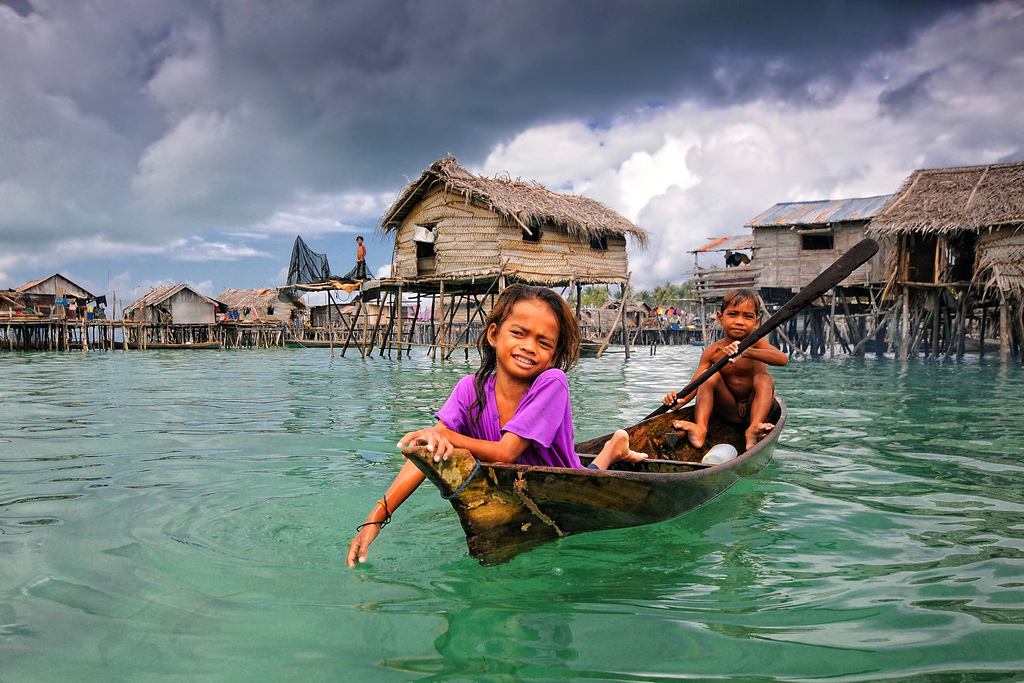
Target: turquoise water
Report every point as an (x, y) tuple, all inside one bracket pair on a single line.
[(174, 516)]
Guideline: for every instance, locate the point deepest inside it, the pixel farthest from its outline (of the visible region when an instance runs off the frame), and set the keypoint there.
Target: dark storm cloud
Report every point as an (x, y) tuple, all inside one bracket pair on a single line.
[(903, 100), (127, 125), (22, 7), (383, 88)]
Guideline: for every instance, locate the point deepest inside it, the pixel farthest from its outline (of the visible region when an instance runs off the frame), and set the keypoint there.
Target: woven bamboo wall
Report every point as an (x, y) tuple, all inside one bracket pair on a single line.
[(784, 264), (1001, 259), (473, 239)]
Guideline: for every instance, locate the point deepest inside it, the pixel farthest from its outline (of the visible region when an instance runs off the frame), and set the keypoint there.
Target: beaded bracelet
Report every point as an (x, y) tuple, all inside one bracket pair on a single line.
[(383, 502)]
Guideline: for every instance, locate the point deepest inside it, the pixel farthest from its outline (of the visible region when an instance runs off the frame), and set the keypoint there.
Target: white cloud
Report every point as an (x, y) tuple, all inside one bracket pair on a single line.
[(197, 249), (688, 173), (312, 214)]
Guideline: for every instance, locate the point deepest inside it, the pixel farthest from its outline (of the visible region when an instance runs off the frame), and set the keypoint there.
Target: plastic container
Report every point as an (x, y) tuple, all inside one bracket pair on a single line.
[(719, 453)]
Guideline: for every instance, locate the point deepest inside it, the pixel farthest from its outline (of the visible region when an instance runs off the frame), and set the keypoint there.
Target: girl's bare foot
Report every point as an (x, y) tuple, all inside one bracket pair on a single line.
[(694, 432), (616, 449), (757, 432)]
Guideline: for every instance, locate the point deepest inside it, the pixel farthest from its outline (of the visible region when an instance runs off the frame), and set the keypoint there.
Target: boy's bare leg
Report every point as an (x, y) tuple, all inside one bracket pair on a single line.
[(761, 403), (616, 449), (697, 430)]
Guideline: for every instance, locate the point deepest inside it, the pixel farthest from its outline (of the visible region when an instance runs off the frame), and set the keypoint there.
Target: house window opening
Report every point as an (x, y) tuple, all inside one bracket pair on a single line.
[(599, 243), (532, 235), (816, 242)]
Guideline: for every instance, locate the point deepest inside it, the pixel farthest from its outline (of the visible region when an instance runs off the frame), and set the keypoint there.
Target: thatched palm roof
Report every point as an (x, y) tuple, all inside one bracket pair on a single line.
[(527, 204), (943, 200)]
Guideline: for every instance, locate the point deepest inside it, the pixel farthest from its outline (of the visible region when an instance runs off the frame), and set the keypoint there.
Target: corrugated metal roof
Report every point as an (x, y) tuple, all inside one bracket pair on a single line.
[(820, 212), (734, 243)]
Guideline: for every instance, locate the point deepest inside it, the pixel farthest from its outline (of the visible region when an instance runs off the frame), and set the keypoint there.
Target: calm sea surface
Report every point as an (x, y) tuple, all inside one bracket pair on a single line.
[(176, 516)]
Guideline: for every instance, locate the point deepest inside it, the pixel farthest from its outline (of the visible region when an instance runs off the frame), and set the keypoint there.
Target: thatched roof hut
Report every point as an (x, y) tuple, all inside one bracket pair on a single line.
[(958, 225), (451, 223), (260, 304)]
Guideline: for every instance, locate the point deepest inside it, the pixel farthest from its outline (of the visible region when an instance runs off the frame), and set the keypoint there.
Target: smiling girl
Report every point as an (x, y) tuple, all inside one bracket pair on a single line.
[(515, 409)]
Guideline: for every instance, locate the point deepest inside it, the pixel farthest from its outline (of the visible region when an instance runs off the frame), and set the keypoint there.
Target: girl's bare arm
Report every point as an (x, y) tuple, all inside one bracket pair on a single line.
[(407, 481)]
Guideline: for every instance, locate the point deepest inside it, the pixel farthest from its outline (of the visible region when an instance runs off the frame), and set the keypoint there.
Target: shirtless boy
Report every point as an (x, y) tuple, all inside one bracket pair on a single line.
[(742, 391)]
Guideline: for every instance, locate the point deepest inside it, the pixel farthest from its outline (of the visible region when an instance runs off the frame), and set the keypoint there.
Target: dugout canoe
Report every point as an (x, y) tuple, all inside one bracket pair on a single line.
[(507, 509)]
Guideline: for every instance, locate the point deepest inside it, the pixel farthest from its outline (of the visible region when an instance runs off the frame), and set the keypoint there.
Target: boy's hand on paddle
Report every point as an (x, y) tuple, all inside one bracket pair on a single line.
[(731, 350), (433, 438), (670, 398)]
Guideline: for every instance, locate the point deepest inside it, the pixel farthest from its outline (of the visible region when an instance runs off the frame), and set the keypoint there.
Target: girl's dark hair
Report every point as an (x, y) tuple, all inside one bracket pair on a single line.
[(734, 297), (567, 350)]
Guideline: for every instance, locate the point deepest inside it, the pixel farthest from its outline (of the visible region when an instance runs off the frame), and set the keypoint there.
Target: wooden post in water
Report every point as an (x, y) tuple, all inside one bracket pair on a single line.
[(982, 330), (330, 327), (905, 326), (412, 327), (625, 320), (618, 319), (1004, 329), (352, 327), (400, 323), (440, 333)]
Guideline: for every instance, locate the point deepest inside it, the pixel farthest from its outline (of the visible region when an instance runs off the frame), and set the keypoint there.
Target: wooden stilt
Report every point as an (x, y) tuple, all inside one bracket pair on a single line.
[(441, 322), (905, 326), (412, 326), (352, 327), (625, 320), (1004, 329)]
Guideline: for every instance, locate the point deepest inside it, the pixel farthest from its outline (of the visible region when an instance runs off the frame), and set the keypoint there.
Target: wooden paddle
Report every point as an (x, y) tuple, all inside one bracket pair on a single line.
[(828, 279)]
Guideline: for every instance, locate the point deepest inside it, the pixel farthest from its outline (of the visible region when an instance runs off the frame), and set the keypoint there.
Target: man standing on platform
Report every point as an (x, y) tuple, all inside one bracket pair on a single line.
[(360, 259)]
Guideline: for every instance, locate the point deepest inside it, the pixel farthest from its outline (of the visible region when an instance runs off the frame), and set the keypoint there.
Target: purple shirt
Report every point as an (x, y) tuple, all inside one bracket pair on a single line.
[(544, 417)]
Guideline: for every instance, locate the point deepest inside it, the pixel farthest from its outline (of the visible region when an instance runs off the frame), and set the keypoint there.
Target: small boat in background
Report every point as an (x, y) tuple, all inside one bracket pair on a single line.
[(155, 346), (589, 348), (507, 509)]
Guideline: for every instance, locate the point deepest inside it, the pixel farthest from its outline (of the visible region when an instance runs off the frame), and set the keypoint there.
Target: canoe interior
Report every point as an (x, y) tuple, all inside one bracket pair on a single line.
[(660, 440)]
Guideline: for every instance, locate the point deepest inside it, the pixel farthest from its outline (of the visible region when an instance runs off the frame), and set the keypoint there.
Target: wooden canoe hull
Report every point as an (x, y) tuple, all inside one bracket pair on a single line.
[(508, 509)]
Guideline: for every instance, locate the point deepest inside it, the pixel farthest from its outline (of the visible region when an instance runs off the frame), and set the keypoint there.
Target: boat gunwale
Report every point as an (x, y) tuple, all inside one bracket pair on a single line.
[(769, 440)]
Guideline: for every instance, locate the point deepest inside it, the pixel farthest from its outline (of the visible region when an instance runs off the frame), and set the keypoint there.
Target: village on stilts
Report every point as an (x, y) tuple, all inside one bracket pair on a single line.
[(947, 281)]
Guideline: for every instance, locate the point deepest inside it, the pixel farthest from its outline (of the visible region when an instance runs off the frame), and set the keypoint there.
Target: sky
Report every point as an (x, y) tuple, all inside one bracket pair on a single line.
[(146, 142)]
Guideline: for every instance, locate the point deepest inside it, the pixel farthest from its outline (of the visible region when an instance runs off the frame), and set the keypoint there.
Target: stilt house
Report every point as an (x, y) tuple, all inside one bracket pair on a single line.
[(453, 224), (260, 304), (711, 283), (45, 295), (959, 231), (795, 241), (173, 305)]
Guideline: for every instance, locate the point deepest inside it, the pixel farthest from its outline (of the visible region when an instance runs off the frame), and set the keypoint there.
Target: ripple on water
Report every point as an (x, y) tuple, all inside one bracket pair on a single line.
[(166, 515)]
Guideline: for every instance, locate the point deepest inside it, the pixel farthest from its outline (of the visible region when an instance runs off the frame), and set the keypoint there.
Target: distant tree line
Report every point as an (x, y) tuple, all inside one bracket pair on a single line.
[(663, 295)]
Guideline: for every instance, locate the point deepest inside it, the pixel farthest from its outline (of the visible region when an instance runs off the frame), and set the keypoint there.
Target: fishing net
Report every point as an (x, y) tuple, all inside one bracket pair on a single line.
[(307, 266)]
